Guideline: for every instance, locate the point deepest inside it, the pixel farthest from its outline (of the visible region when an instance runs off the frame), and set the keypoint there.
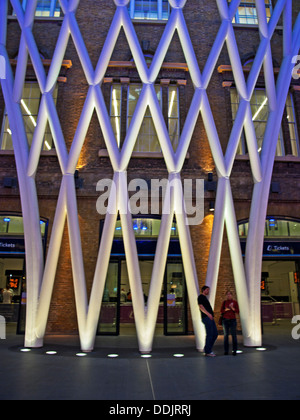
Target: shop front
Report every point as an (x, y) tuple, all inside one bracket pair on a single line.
[(117, 315), (280, 285), (13, 269)]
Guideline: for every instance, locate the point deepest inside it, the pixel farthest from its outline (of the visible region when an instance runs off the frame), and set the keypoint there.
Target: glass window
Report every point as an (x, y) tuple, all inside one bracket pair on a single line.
[(260, 114), (13, 225), (30, 103), (173, 116), (291, 120), (46, 8), (115, 111), (247, 13), (175, 292), (275, 228), (294, 229), (147, 140), (144, 227), (149, 9)]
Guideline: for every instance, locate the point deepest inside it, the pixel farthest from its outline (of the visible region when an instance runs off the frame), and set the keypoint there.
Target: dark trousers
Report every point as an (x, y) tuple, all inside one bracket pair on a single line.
[(211, 334), (229, 327)]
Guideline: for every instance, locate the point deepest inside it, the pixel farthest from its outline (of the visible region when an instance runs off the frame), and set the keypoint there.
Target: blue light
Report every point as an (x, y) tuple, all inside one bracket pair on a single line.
[(118, 228), (6, 219)]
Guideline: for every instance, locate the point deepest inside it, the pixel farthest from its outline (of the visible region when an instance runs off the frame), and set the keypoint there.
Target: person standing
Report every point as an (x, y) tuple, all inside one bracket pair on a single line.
[(229, 309), (207, 316), (7, 295)]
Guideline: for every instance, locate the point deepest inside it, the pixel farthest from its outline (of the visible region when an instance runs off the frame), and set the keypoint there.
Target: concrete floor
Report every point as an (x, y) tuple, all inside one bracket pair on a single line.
[(273, 374)]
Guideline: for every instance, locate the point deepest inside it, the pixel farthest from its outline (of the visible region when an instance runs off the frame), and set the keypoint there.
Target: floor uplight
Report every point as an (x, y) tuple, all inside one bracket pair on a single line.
[(80, 354), (112, 355), (25, 350), (146, 356), (51, 352), (178, 355), (261, 349)]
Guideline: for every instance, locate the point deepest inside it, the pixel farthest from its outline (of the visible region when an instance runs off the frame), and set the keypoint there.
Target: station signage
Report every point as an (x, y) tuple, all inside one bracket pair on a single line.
[(12, 246), (278, 248)]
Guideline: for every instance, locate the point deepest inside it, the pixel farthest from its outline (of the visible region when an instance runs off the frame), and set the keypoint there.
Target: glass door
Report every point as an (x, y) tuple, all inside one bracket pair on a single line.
[(175, 321), (109, 314)]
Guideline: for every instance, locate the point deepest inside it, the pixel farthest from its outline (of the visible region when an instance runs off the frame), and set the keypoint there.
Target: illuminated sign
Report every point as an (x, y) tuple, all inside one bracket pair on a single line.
[(14, 282)]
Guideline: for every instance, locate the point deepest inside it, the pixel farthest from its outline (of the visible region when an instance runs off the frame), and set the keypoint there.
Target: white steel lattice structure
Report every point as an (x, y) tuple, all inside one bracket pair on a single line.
[(40, 277)]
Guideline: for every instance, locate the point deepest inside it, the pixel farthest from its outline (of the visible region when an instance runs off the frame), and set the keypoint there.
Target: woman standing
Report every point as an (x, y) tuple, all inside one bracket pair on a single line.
[(229, 309)]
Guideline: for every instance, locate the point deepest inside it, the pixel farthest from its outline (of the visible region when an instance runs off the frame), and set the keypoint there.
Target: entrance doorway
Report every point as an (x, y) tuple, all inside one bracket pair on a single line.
[(280, 289), (117, 315), (12, 275)]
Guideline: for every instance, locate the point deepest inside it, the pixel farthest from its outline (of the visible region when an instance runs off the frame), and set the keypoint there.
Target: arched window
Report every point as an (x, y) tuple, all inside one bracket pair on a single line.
[(275, 227), (145, 228), (12, 225)]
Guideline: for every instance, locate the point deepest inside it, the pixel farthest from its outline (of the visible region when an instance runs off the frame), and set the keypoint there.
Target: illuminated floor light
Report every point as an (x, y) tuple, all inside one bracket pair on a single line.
[(178, 355), (80, 354), (25, 350), (239, 351), (261, 349), (51, 352), (113, 355), (146, 356)]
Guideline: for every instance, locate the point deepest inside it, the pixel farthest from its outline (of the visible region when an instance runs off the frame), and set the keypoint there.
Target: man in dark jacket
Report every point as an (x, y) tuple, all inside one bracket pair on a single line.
[(207, 315)]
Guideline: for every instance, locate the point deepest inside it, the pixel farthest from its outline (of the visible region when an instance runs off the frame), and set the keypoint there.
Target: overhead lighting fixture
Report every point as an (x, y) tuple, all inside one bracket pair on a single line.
[(116, 117), (259, 109), (171, 103), (47, 145), (28, 112)]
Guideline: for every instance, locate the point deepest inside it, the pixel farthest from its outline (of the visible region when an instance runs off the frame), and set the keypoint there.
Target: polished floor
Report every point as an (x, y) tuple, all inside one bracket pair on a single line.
[(174, 372)]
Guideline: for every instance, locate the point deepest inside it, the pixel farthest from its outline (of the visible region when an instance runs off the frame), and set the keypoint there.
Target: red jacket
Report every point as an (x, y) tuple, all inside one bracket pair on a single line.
[(231, 313)]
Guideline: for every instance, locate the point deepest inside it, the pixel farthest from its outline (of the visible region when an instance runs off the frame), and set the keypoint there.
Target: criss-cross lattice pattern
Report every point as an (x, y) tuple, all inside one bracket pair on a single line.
[(40, 277)]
